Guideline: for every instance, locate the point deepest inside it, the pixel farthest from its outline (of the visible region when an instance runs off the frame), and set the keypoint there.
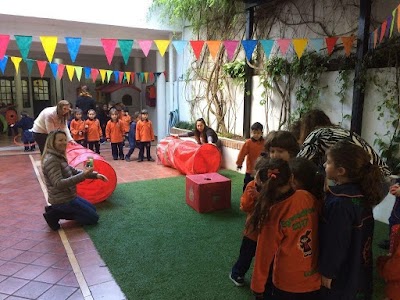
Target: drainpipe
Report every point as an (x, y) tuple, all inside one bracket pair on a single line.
[(248, 77)]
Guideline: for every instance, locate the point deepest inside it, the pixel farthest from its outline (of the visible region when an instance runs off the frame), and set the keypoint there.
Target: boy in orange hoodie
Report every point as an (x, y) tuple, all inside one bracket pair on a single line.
[(144, 135), (77, 128), (115, 133), (93, 131)]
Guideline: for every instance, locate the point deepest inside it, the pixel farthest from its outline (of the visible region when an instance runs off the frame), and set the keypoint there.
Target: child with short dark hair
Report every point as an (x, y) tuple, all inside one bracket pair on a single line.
[(115, 133), (145, 135), (132, 136), (251, 150), (77, 128), (93, 131), (281, 144), (26, 124)]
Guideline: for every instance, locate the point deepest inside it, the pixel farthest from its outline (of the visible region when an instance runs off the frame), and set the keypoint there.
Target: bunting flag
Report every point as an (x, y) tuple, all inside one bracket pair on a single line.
[(383, 31), (375, 37), (24, 45), (133, 77), (73, 45), (102, 75), (4, 40), (49, 44), (109, 73), (61, 68), (213, 47), (230, 47), (179, 46), (267, 46), (16, 61), (249, 46), (151, 76), (29, 63), (330, 43), (299, 46), (116, 76), (128, 77), (141, 77), (162, 45), (94, 73), (54, 69), (392, 23), (120, 77), (70, 72), (388, 27), (88, 72), (317, 44), (145, 45), (283, 45), (3, 63), (126, 48), (197, 47), (109, 48), (146, 76), (78, 72), (348, 43)]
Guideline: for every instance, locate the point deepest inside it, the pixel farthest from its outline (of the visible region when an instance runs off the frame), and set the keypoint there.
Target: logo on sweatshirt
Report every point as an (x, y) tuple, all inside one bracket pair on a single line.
[(304, 243)]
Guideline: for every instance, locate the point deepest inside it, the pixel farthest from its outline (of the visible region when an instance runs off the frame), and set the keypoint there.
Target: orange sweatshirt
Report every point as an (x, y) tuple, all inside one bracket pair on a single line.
[(126, 120), (247, 202), (93, 131), (144, 131), (76, 127), (115, 131), (289, 237), (251, 150)]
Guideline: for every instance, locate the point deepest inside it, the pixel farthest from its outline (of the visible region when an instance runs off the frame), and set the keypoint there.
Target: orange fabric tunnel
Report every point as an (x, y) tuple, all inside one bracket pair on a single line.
[(188, 157), (93, 190)]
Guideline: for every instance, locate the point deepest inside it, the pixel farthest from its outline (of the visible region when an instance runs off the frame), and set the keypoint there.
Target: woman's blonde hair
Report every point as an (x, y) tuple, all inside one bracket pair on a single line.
[(49, 145), (60, 105)]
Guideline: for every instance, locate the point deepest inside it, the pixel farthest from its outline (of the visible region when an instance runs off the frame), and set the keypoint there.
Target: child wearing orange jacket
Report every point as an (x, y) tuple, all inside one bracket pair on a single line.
[(77, 128), (115, 133), (144, 135), (93, 131)]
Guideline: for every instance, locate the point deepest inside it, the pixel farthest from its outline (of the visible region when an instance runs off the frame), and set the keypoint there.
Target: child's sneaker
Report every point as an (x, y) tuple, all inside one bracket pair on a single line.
[(237, 280)]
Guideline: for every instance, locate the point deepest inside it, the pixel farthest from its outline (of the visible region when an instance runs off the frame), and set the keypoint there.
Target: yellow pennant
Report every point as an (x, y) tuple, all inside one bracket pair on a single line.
[(102, 75), (70, 71), (16, 61), (49, 44), (78, 71), (146, 76), (109, 73), (299, 46), (162, 45), (128, 77)]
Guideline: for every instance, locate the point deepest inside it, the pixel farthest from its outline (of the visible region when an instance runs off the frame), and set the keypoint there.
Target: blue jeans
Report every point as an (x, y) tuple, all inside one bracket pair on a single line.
[(77, 209)]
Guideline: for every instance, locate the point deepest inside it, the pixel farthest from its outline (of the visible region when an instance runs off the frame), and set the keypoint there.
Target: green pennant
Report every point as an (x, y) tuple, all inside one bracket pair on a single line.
[(126, 47)]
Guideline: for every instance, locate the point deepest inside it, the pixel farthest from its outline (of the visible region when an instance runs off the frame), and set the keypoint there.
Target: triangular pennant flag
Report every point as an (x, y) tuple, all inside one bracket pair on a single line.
[(133, 77), (109, 73), (299, 46), (126, 47), (141, 77), (70, 72), (392, 23), (73, 45), (41, 66), (116, 76), (179, 46), (197, 46), (3, 63), (249, 46), (61, 68), (162, 45), (120, 77), (4, 40), (389, 25), (151, 76), (348, 44), (78, 72), (29, 63), (49, 44), (88, 72), (213, 47), (16, 61), (109, 48), (145, 45), (146, 76), (375, 37), (330, 43), (317, 44), (94, 73), (102, 75), (128, 77), (267, 46), (24, 44), (54, 69), (230, 47), (383, 30), (157, 74), (283, 45)]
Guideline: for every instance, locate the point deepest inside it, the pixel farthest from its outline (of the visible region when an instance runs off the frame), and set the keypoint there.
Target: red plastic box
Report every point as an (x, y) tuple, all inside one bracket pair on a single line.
[(208, 192)]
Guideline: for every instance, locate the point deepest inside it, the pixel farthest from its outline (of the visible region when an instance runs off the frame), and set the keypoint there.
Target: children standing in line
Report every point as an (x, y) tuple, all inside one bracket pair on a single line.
[(145, 135), (115, 134), (251, 150), (26, 124), (77, 128), (347, 222), (93, 131), (287, 223), (132, 136)]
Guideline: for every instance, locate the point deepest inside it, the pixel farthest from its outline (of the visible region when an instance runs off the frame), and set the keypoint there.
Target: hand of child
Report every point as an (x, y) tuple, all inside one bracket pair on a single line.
[(86, 126), (102, 177), (394, 190), (326, 282)]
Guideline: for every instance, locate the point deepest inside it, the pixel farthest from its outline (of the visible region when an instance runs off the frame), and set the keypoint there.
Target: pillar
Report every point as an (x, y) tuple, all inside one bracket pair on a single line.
[(161, 111)]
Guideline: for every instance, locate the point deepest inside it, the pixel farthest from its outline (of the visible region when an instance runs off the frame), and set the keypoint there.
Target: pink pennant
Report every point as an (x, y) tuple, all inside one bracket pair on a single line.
[(4, 40), (145, 45), (60, 70), (42, 66), (283, 45), (132, 77), (109, 48), (94, 73), (120, 76), (230, 47), (330, 43)]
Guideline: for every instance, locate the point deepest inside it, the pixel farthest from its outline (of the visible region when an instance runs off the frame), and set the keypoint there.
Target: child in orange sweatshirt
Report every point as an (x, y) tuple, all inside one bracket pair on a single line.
[(115, 133), (93, 131), (77, 128), (144, 135)]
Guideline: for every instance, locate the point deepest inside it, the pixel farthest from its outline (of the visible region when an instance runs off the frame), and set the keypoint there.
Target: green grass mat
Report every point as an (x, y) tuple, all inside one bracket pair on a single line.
[(157, 247)]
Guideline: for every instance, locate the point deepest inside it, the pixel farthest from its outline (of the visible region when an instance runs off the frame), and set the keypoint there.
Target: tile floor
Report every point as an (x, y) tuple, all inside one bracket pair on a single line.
[(38, 263)]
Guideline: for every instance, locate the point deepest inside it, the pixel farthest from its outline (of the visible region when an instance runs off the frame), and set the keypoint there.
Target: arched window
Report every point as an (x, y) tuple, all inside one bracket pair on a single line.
[(127, 100)]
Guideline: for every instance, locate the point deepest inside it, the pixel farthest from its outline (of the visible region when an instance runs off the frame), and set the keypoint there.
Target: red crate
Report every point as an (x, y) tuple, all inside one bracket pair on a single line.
[(208, 192)]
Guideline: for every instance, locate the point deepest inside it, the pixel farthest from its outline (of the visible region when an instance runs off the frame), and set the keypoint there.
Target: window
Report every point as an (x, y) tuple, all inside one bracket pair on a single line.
[(127, 100), (6, 93), (41, 90)]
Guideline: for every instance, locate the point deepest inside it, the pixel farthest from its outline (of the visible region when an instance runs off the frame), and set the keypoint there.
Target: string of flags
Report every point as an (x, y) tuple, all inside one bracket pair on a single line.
[(384, 30)]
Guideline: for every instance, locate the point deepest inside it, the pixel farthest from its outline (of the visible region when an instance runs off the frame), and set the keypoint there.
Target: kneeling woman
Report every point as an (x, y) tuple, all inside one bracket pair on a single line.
[(61, 180)]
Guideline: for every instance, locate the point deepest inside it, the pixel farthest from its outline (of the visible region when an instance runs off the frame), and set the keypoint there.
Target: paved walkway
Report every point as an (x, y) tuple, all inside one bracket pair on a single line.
[(38, 263)]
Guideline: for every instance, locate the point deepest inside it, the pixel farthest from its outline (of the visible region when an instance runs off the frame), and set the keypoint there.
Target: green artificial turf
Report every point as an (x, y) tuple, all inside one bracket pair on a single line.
[(157, 247)]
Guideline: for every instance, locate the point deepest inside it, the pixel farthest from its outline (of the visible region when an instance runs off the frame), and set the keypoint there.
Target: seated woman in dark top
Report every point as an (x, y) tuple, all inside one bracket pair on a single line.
[(202, 134)]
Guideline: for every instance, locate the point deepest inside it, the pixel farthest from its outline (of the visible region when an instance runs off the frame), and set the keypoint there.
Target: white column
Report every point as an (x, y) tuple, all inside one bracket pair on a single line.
[(171, 75), (59, 91), (161, 111), (18, 91)]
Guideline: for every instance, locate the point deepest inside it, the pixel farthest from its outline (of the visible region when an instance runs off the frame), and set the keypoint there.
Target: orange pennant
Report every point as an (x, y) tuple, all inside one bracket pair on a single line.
[(213, 47), (348, 44), (375, 37), (383, 31)]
